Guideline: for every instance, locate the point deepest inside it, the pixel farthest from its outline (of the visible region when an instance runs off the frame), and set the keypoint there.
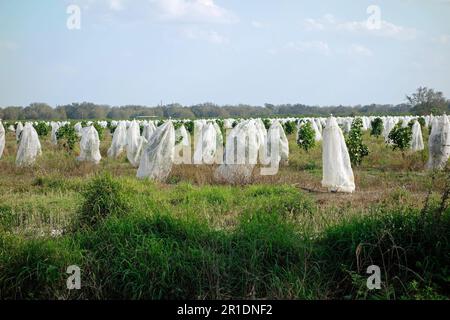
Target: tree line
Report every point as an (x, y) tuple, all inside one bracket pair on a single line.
[(423, 101)]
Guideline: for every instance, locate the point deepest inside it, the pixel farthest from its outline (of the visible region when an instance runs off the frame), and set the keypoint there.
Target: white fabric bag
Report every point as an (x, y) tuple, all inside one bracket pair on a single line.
[(89, 145), (119, 140), (53, 137), (135, 144), (157, 157), (206, 145), (337, 170), (182, 152), (276, 134), (439, 143), (149, 128), (416, 141), (2, 139), (19, 129), (241, 154), (29, 146)]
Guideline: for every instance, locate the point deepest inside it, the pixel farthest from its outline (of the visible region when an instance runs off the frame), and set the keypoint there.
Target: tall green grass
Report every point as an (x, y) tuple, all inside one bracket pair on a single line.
[(167, 248)]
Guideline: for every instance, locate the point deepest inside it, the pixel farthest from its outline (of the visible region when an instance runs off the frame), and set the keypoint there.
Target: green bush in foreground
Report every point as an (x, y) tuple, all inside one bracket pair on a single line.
[(154, 255), (104, 196)]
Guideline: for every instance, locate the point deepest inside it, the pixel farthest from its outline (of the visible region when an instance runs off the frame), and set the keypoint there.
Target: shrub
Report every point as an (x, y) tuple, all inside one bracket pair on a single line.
[(103, 197), (67, 137), (189, 125), (400, 137), (267, 123), (42, 128), (99, 129), (421, 121), (356, 148), (289, 127), (377, 127), (306, 136), (406, 245)]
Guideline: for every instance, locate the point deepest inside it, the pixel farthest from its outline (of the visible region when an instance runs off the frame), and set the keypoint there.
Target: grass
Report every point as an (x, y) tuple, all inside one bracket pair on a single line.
[(281, 237)]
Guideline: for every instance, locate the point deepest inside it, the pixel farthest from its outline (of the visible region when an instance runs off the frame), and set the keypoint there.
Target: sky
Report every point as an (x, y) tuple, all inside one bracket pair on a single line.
[(146, 52)]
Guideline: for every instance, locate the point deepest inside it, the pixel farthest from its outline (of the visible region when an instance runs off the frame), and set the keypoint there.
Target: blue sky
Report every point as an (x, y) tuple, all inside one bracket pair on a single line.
[(222, 51)]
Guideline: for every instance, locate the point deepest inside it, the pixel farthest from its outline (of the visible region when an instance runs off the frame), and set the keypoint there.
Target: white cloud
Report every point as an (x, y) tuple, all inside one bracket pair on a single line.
[(357, 49), (257, 24), (315, 46), (211, 36), (194, 11), (175, 11), (387, 29)]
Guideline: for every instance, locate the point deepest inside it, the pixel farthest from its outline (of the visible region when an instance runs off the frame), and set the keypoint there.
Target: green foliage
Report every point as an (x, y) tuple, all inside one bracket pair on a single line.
[(177, 124), (407, 245), (160, 123), (234, 124), (267, 123), (103, 197), (67, 137), (422, 122), (400, 137), (189, 125), (99, 129), (356, 148), (42, 128), (289, 127), (306, 136), (377, 127)]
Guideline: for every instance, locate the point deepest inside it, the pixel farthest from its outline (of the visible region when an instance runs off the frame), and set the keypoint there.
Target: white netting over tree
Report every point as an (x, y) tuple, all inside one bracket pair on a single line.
[(337, 170), (149, 128), (439, 143), (89, 145), (241, 154), (29, 146), (276, 134), (417, 140), (209, 143), (157, 157), (135, 144), (182, 152), (53, 138), (2, 139), (19, 129), (119, 140)]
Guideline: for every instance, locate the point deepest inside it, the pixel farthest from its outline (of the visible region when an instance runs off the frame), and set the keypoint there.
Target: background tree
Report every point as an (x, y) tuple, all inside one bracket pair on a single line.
[(425, 101)]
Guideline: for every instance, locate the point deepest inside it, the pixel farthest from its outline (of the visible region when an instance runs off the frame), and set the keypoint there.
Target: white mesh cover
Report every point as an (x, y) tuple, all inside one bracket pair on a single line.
[(416, 141), (241, 154), (89, 145), (157, 157), (19, 129), (119, 140), (29, 146), (337, 170), (2, 139), (439, 143), (135, 144)]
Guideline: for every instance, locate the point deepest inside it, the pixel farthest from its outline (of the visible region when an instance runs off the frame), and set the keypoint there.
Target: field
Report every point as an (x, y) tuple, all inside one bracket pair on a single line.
[(281, 237)]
